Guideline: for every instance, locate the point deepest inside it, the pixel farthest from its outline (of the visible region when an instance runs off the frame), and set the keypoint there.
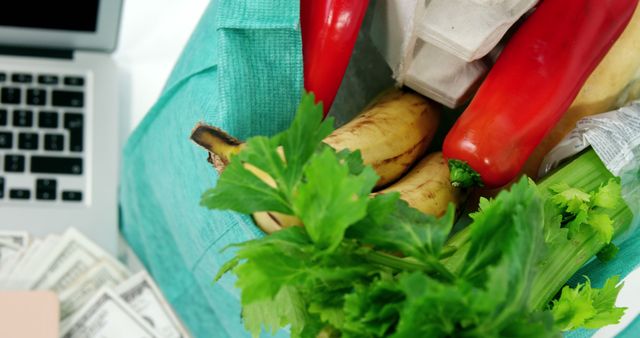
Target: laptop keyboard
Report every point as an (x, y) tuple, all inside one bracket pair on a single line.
[(42, 143)]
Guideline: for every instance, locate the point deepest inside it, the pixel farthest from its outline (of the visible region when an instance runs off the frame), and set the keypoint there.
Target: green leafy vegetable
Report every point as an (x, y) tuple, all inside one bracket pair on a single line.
[(393, 225), (372, 266), (331, 199), (584, 208), (608, 252), (584, 306)]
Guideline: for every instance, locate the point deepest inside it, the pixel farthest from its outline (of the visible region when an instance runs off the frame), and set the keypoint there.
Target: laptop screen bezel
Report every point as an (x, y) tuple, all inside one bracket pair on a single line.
[(103, 39)]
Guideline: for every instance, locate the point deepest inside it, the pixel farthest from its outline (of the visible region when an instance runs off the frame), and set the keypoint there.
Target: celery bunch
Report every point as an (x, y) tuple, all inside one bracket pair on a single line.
[(375, 267)]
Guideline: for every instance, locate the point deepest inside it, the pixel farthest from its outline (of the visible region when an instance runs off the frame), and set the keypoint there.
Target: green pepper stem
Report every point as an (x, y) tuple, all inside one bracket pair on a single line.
[(463, 176)]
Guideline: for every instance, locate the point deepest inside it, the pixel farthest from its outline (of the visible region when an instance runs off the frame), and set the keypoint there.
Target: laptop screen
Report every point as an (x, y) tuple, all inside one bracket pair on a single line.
[(57, 15)]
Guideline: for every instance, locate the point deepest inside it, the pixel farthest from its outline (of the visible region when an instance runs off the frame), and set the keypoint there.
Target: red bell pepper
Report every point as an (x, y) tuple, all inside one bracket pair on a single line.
[(532, 84), (329, 32)]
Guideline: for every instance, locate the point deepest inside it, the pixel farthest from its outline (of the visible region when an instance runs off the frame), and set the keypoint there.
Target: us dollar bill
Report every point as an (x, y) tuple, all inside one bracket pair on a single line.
[(72, 257), (145, 298), (106, 315), (19, 238), (7, 249), (9, 264), (77, 294), (20, 276)]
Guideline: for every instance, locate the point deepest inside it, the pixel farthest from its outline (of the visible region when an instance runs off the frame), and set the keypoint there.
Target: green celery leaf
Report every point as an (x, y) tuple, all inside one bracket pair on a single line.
[(580, 217), (433, 309), (554, 233), (509, 281), (286, 308), (330, 199), (379, 210), (372, 310), (395, 226), (586, 307), (235, 184), (353, 160), (334, 276), (602, 224), (532, 325), (272, 262), (505, 226), (604, 301), (609, 195), (436, 309), (608, 253), (297, 144), (315, 328), (303, 138), (571, 199)]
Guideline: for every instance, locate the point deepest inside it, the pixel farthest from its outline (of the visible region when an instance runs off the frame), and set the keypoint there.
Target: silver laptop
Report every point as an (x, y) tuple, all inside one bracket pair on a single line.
[(58, 117)]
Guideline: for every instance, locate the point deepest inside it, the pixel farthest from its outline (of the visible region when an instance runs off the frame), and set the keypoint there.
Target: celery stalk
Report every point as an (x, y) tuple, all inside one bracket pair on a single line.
[(587, 173)]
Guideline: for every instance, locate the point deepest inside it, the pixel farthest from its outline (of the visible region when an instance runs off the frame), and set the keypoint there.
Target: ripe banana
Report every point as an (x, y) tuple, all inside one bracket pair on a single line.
[(427, 186), (391, 134)]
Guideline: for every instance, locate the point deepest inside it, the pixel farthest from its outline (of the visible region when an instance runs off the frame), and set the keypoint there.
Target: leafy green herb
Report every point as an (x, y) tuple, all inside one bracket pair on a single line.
[(608, 252), (584, 306), (367, 266), (583, 208)]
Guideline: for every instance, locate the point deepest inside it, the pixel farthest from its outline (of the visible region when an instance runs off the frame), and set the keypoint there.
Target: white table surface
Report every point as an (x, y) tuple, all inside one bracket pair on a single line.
[(152, 36)]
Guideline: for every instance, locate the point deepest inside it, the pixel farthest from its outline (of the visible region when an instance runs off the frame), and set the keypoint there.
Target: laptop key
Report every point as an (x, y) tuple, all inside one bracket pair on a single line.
[(3, 117), (67, 98), (11, 95), (22, 78), (48, 79), (3, 77), (48, 119), (14, 163), (28, 141), (56, 165), (72, 196), (36, 97), (46, 189), (22, 118), (6, 140), (54, 142), (74, 81), (74, 123), (19, 194)]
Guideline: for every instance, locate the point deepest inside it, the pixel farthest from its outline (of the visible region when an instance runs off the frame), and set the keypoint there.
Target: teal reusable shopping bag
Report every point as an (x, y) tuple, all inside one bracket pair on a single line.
[(241, 71)]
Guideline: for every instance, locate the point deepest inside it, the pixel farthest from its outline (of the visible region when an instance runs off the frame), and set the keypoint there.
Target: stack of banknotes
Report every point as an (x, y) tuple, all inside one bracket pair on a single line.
[(99, 297)]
